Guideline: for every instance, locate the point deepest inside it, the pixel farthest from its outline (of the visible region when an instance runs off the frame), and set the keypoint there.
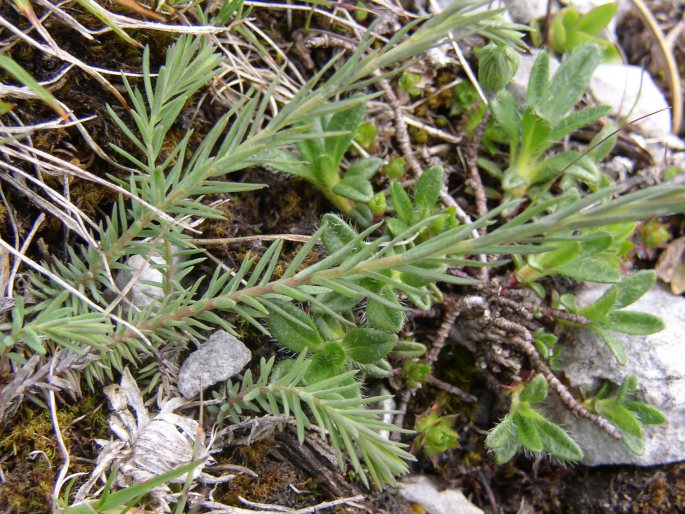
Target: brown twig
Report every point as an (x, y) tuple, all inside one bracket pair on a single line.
[(472, 161), (523, 342)]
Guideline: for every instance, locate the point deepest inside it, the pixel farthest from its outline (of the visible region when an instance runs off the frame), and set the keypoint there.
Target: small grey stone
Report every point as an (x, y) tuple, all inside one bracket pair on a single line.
[(422, 489), (221, 357), (658, 361)]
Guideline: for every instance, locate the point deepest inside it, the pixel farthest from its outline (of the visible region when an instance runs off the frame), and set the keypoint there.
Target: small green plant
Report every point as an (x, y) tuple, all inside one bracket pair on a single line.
[(607, 313), (416, 372), (435, 434), (366, 135), (546, 120), (625, 413), (570, 29), (334, 405), (395, 168), (320, 159), (654, 234), (410, 84), (525, 426)]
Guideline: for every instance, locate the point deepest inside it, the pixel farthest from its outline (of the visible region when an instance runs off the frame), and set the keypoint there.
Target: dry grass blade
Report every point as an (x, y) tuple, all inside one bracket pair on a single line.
[(11, 67), (671, 66), (54, 50)]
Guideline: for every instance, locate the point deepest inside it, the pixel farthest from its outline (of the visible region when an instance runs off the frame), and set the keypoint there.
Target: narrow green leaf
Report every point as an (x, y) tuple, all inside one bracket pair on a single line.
[(625, 420), (527, 433), (355, 188), (427, 188), (402, 204), (20, 74), (635, 323), (612, 343), (599, 310), (570, 82), (646, 414), (557, 442), (538, 83)]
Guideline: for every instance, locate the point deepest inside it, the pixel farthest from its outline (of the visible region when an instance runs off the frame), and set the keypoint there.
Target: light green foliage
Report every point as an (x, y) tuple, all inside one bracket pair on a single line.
[(525, 426), (416, 372), (435, 434), (366, 135), (395, 168), (333, 405), (497, 66), (591, 255), (320, 159), (546, 120), (409, 83), (607, 313), (546, 345), (52, 321), (625, 413), (570, 29)]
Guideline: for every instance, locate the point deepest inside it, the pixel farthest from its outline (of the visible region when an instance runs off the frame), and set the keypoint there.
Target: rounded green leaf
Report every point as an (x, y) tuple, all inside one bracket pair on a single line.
[(292, 327), (535, 391), (337, 233), (368, 345), (383, 317)]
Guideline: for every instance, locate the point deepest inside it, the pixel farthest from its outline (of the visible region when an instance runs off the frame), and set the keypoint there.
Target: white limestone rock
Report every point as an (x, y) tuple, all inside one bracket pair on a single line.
[(526, 11), (143, 270), (631, 92), (424, 490), (658, 360), (220, 358)]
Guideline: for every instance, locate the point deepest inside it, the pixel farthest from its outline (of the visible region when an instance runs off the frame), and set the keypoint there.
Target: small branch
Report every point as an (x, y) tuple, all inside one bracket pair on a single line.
[(401, 132), (523, 343), (441, 384), (472, 159), (444, 331)]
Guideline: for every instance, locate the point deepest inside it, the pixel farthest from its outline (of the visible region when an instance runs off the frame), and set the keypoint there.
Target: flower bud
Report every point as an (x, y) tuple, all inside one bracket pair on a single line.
[(498, 64)]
